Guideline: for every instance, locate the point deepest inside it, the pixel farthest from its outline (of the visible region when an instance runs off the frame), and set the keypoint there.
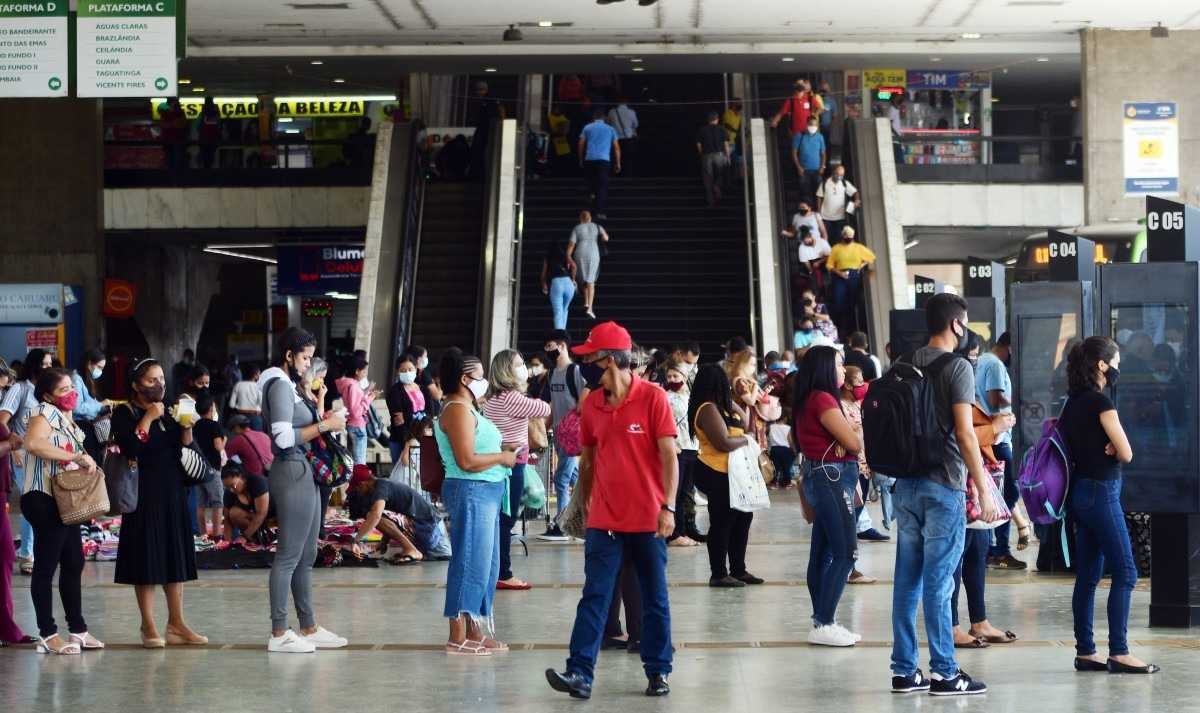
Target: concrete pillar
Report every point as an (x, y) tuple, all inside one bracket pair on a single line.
[(1121, 66), (52, 212)]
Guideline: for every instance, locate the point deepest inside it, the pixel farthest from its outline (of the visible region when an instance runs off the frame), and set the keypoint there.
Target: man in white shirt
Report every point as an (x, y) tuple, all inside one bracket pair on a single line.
[(246, 398), (625, 121), (835, 198)]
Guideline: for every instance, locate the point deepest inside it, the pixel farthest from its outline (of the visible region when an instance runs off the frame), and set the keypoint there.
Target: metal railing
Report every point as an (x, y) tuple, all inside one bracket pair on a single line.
[(410, 237)]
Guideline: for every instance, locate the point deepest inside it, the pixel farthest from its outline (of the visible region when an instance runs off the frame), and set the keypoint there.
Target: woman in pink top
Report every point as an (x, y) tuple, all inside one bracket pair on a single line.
[(357, 394), (510, 409)]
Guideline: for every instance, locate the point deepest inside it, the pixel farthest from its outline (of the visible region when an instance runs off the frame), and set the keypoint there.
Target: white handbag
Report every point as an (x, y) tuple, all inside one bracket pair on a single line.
[(747, 490)]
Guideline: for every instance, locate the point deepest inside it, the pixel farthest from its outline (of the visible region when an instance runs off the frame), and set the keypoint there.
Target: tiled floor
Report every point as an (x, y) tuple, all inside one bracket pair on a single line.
[(739, 650)]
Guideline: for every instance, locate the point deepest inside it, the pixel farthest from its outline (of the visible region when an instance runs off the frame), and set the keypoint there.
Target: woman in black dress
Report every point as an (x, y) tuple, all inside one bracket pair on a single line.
[(156, 547)]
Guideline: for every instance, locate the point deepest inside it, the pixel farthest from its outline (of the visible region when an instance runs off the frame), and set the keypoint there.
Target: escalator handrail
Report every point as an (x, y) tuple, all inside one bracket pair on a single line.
[(410, 241)]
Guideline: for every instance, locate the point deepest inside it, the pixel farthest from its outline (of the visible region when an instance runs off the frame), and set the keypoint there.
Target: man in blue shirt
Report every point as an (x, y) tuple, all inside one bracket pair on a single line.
[(597, 143), (993, 392), (808, 155)]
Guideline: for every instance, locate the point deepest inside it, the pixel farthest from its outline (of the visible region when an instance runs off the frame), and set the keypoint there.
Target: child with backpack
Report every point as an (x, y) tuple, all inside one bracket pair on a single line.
[(1097, 445), (917, 427)]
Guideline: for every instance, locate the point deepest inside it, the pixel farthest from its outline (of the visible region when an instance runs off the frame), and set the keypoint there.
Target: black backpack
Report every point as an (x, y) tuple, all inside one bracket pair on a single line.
[(902, 434)]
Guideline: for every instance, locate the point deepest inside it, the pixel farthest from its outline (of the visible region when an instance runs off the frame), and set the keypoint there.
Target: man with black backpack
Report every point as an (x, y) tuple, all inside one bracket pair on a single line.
[(917, 424), (567, 391)]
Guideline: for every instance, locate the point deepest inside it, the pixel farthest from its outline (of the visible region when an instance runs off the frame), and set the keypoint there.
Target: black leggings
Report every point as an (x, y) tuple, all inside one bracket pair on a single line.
[(729, 529), (55, 546)]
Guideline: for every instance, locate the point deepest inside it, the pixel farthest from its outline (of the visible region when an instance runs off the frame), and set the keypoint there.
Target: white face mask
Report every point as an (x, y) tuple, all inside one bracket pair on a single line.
[(478, 388), (812, 129), (423, 363), (537, 370), (522, 373), (363, 383), (407, 377)]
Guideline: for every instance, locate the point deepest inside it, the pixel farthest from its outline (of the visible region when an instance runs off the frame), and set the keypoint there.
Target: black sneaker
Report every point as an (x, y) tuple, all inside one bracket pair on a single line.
[(657, 686), (960, 685), (910, 684), (873, 535), (553, 534)]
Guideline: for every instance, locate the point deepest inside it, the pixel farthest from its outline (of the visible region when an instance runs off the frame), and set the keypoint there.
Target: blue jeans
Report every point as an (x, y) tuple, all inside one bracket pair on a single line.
[(930, 520), (1002, 547), (562, 291), (603, 553), (516, 488), (844, 300), (358, 444), (565, 476), (474, 510), (1100, 534), (830, 490), (18, 484), (395, 449), (971, 574), (886, 485)]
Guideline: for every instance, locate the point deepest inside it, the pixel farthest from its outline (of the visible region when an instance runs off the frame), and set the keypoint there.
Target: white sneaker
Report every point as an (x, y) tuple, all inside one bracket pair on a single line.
[(830, 636), (290, 643), (857, 637), (323, 638)]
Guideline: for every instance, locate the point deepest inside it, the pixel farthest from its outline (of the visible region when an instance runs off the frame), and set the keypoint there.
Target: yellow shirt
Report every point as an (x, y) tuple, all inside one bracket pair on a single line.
[(732, 121), (849, 256), (709, 455), (558, 123)]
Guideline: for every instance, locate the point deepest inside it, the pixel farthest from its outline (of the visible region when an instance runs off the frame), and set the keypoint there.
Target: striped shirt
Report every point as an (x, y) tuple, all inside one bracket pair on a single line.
[(63, 434), (511, 411)]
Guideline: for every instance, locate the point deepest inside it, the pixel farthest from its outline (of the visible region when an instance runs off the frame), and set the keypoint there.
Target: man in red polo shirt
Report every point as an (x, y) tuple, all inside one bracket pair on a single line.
[(628, 474), (800, 106)]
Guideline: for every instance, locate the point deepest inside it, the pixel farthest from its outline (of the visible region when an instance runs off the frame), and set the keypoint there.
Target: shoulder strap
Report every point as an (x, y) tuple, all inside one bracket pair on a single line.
[(939, 364), (572, 369), (617, 113)]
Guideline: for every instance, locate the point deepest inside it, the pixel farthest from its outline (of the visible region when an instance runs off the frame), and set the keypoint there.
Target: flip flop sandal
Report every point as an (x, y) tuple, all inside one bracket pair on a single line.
[(467, 648), (976, 643), (497, 647), (404, 560), (1006, 638)]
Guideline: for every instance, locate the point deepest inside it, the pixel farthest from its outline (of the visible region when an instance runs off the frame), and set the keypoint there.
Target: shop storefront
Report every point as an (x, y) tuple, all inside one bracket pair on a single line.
[(319, 285), (244, 132), (942, 116)]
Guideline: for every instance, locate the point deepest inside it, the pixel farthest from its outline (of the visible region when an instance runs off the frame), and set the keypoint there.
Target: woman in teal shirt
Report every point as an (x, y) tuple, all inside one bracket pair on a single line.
[(477, 470)]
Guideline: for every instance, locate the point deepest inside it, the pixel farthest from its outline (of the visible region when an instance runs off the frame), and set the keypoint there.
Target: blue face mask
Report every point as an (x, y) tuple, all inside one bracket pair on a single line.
[(97, 372)]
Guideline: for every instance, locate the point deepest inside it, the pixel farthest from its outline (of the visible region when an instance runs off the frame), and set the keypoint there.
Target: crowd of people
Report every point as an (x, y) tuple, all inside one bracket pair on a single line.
[(644, 439)]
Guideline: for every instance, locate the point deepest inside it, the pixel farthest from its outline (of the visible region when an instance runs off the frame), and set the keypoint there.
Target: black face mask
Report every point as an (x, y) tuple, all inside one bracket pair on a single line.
[(963, 340), (804, 211), (591, 374), (202, 393), (808, 302), (552, 355), (1112, 375)]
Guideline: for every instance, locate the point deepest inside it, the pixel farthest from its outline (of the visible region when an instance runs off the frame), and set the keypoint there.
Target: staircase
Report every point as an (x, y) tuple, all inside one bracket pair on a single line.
[(676, 270), (447, 293)]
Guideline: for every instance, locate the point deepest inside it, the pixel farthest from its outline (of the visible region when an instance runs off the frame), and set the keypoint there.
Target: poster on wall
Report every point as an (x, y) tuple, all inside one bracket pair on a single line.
[(126, 49), (45, 339), (34, 56), (31, 304), (1151, 148)]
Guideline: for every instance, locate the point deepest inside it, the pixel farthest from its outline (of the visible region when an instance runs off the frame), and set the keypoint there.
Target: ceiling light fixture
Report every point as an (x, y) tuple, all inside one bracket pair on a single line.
[(639, 69), (339, 80), (911, 244), (971, 35), (489, 70), (184, 82), (935, 59), (1043, 59), (316, 63), (244, 256), (198, 90), (545, 23), (512, 34), (635, 60), (787, 59), (1159, 32)]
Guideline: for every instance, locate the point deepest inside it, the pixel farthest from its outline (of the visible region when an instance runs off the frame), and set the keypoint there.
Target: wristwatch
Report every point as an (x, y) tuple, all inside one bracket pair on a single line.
[(668, 508)]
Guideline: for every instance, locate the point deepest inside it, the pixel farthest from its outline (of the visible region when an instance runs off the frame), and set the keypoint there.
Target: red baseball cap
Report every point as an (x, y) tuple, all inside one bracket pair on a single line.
[(359, 475), (606, 337)]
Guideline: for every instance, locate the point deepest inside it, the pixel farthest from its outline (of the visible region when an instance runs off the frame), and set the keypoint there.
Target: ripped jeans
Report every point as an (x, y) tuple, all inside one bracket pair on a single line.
[(830, 490)]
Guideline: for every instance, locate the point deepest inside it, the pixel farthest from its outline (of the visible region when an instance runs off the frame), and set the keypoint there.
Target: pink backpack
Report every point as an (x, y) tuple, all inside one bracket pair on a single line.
[(566, 434)]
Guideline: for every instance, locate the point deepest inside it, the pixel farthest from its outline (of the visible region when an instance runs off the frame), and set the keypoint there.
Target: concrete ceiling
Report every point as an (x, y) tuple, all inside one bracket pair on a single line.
[(242, 26)]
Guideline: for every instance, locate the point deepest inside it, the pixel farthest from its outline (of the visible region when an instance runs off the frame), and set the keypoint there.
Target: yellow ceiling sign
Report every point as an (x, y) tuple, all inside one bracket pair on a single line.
[(887, 77), (296, 107)]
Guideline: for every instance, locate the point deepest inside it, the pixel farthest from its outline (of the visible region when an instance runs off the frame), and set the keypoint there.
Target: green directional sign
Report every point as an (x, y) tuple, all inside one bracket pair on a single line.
[(34, 50), (126, 49)]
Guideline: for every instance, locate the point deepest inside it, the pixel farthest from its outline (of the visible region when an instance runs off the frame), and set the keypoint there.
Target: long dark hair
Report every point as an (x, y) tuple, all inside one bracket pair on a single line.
[(90, 356), (711, 386), (33, 364), (293, 340), (1083, 362), (817, 372), (47, 381)]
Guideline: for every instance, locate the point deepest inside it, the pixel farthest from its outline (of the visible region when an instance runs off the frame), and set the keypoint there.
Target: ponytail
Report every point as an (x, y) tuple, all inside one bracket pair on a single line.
[(1083, 363)]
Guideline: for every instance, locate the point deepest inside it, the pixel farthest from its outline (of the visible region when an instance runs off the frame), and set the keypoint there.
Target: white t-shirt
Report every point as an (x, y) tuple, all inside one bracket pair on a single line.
[(777, 434), (246, 396), (819, 249), (894, 118), (812, 220), (834, 195)]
